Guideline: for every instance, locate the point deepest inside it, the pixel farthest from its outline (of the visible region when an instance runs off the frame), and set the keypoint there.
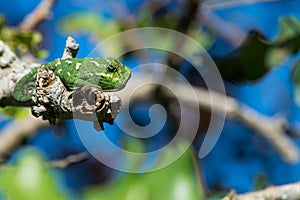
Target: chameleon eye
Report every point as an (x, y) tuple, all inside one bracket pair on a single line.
[(112, 64), (111, 68)]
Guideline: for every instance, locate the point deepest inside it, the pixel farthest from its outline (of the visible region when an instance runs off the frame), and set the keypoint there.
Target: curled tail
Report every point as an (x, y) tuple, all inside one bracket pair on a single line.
[(25, 87)]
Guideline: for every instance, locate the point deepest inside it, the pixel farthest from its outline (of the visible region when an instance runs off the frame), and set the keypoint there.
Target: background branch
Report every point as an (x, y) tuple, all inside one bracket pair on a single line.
[(226, 30), (218, 5), (39, 14), (15, 133), (288, 191), (273, 128), (69, 160), (71, 48)]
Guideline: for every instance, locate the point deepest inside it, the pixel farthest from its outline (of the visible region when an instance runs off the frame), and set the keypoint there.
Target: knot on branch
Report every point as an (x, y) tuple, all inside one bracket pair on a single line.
[(71, 48), (54, 100)]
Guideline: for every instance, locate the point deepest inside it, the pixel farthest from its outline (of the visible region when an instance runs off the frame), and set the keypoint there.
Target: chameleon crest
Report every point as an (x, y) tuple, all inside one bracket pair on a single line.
[(107, 73)]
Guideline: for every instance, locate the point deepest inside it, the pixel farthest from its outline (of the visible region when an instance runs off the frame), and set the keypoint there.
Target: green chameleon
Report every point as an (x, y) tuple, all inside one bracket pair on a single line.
[(107, 73)]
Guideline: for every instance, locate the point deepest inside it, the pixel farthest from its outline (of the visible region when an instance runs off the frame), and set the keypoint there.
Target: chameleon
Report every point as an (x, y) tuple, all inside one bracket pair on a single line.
[(107, 73)]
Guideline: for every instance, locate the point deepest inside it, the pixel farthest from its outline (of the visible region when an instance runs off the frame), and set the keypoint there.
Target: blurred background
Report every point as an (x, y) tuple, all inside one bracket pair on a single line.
[(255, 46)]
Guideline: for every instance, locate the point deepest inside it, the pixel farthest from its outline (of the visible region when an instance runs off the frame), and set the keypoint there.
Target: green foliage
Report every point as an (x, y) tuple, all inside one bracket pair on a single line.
[(260, 181), (14, 112), (92, 24), (289, 28), (256, 55), (168, 20), (286, 43), (276, 57), (29, 179), (21, 42), (89, 22), (101, 28), (295, 75), (177, 181), (203, 37), (291, 32), (247, 63)]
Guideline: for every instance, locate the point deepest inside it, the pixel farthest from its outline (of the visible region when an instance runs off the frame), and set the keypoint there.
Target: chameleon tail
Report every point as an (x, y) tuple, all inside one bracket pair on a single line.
[(25, 87)]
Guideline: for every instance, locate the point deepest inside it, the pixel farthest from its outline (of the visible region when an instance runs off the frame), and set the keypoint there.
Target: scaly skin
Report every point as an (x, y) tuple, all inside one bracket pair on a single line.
[(107, 73)]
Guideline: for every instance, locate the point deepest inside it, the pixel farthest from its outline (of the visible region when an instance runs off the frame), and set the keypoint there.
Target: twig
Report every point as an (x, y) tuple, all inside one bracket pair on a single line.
[(289, 191), (222, 28), (69, 160), (218, 5), (71, 48), (40, 13), (16, 132)]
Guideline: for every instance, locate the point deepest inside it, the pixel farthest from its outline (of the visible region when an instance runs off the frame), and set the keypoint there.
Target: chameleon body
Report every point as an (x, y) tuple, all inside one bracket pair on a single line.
[(107, 73)]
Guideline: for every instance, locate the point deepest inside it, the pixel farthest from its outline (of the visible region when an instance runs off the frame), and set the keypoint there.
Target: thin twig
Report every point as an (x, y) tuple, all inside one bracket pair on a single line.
[(40, 13), (71, 48), (69, 160), (222, 28), (218, 5), (288, 191)]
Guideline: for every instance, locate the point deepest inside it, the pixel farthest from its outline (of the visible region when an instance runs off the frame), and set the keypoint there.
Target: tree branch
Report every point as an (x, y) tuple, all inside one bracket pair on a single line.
[(273, 129), (54, 101), (69, 160), (222, 28), (12, 69), (289, 191), (71, 48), (218, 5), (40, 13), (14, 134)]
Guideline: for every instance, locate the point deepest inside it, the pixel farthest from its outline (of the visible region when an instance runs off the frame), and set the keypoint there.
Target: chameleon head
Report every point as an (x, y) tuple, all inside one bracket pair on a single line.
[(118, 73)]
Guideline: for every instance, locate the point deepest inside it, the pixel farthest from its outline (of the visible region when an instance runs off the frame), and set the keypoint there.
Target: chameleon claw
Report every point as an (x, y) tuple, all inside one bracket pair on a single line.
[(98, 126)]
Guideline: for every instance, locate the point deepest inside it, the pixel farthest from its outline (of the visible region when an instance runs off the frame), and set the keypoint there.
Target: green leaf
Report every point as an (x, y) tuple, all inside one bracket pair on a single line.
[(256, 56), (92, 24), (21, 42), (276, 57), (247, 63), (179, 180), (289, 27), (286, 43), (29, 179), (88, 23), (14, 112), (295, 75)]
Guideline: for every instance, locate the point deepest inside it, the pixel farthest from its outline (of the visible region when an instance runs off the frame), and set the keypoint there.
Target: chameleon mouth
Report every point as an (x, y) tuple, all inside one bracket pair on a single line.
[(124, 81), (128, 77)]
